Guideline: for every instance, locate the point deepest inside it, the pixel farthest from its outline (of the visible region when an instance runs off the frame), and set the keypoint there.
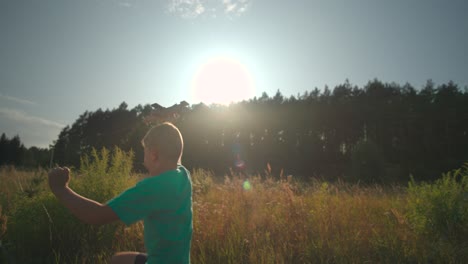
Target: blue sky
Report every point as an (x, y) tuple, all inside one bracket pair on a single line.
[(61, 58)]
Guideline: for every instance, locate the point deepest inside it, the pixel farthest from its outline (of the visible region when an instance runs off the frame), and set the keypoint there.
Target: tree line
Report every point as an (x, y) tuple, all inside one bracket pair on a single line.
[(13, 152), (381, 132)]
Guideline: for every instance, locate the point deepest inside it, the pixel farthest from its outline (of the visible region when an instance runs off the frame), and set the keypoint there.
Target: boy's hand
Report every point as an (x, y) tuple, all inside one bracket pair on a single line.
[(59, 178), (166, 114), (160, 117)]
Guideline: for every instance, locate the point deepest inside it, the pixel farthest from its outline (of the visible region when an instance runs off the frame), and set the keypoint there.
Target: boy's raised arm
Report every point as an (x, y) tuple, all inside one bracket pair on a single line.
[(85, 209)]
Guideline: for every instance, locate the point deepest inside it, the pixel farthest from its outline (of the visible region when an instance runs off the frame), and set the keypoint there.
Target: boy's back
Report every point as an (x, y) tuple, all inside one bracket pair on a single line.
[(164, 203)]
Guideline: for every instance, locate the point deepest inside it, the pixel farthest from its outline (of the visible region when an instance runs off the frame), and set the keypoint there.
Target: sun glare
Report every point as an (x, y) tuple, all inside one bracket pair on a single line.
[(222, 80)]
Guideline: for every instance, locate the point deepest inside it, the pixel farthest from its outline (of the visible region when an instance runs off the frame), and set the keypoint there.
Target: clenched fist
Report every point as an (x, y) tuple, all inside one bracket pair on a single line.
[(59, 178)]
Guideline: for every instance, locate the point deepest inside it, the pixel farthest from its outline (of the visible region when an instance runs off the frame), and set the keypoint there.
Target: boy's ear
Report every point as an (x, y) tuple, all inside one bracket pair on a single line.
[(154, 155)]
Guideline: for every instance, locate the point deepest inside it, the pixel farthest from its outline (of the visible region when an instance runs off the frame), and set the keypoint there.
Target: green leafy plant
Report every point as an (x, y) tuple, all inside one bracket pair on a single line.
[(43, 230), (439, 211)]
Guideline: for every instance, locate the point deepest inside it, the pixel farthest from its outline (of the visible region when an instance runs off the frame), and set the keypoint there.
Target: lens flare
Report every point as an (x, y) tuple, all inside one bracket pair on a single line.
[(239, 162), (246, 185)]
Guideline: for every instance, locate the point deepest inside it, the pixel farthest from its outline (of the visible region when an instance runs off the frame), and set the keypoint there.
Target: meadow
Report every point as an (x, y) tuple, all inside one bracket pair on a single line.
[(260, 219)]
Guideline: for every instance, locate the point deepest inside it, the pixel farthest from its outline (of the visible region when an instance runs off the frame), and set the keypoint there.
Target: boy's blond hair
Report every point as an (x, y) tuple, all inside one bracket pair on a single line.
[(166, 139)]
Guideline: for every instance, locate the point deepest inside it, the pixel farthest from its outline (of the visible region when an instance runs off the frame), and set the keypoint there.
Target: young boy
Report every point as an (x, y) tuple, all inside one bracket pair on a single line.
[(163, 201)]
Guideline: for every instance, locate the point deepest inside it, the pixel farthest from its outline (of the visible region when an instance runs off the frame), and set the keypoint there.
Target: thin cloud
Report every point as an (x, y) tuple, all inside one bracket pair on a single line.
[(17, 100), (187, 9), (191, 9), (119, 3), (22, 117), (235, 7), (125, 4)]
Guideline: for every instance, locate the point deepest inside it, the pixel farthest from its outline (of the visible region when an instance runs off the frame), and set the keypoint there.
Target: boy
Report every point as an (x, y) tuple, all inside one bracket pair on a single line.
[(163, 201)]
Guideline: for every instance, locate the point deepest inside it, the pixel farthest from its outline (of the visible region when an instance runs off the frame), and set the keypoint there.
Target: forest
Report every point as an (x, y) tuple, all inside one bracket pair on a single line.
[(378, 133)]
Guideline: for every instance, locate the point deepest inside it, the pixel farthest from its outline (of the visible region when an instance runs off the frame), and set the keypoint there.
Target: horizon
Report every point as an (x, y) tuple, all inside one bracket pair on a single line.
[(61, 59)]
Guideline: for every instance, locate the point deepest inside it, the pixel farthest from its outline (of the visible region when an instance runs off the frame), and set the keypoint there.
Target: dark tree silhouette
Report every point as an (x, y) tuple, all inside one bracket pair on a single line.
[(317, 134), (13, 152)]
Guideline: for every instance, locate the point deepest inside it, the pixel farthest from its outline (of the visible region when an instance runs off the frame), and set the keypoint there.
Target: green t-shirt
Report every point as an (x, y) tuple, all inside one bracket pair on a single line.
[(164, 203)]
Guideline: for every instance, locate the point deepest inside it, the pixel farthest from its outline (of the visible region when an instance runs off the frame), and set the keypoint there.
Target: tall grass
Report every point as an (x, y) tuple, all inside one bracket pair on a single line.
[(276, 220), (41, 230), (281, 222)]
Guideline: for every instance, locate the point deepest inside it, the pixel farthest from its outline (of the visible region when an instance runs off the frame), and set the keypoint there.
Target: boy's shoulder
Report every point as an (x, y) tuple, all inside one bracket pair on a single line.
[(181, 173)]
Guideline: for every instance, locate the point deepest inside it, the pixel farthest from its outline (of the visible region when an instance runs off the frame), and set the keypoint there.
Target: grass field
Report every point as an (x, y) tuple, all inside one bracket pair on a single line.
[(276, 220)]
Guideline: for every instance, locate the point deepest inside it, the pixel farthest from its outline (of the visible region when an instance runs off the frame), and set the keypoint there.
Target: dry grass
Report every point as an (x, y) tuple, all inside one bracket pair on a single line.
[(283, 222), (275, 221)]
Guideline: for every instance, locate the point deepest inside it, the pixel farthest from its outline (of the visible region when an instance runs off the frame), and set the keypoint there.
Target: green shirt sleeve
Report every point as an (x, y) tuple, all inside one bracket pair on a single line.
[(135, 203), (164, 194)]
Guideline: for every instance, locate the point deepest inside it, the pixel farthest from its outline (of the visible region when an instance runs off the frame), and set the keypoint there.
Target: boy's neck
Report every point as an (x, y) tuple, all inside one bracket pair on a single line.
[(162, 167)]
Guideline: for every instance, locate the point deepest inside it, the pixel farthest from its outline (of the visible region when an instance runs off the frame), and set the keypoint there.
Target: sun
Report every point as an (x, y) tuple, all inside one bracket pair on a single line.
[(222, 80)]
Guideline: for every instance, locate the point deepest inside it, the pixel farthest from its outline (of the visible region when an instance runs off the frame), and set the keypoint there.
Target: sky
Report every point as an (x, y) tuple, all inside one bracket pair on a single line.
[(60, 58)]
